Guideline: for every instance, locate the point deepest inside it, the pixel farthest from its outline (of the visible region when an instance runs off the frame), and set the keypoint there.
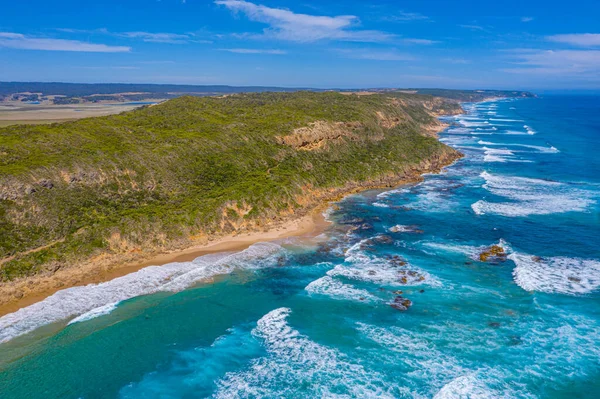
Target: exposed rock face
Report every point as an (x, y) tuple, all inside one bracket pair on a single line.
[(387, 121), (172, 176), (494, 254), (401, 303), (319, 134)]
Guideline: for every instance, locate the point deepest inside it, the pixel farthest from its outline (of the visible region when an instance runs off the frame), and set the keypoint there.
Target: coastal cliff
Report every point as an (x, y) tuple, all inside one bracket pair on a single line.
[(116, 189)]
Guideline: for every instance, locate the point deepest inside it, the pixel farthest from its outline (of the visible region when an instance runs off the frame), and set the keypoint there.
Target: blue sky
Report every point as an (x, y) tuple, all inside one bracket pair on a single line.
[(524, 44)]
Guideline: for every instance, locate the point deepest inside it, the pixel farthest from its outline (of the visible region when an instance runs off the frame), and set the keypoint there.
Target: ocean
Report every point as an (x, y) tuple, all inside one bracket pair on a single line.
[(312, 318)]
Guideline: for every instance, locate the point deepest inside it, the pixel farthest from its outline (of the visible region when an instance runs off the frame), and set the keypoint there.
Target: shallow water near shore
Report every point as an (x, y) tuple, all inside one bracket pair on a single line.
[(313, 319)]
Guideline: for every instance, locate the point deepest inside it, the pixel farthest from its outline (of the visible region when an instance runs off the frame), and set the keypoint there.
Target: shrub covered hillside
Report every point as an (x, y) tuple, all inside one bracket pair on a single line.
[(169, 175)]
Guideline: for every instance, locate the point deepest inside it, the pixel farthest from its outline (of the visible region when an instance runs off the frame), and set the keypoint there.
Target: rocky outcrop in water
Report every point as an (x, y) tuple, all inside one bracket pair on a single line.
[(401, 303), (493, 254)]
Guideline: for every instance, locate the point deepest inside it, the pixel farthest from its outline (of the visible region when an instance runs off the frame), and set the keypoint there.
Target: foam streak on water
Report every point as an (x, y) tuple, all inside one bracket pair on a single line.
[(99, 299), (531, 197), (294, 361), (556, 274)]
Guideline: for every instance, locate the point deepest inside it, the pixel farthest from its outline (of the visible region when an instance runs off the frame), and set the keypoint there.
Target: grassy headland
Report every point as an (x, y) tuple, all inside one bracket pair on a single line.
[(176, 174)]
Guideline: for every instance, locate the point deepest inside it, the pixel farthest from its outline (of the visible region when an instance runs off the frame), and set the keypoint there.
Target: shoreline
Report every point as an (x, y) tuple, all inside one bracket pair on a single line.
[(105, 268), (306, 227)]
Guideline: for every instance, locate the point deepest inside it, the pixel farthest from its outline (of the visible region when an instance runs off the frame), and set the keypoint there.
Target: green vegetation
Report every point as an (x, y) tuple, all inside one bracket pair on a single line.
[(159, 176), (473, 95)]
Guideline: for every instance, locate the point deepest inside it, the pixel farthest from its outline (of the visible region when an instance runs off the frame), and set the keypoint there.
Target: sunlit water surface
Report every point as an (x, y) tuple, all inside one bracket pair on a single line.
[(299, 319)]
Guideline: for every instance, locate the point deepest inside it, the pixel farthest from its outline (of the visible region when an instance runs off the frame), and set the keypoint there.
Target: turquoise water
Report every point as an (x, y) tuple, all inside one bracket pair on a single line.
[(312, 318)]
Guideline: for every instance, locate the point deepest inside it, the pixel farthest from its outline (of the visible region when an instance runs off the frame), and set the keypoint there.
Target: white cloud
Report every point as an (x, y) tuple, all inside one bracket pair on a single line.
[(22, 42), (173, 38), (406, 17), (287, 25), (473, 27), (376, 55), (584, 64), (457, 61), (253, 51), (526, 19), (577, 39), (150, 37), (420, 41)]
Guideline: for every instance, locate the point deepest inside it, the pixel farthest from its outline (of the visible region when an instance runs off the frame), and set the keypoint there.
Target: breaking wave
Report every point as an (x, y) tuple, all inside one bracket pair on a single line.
[(466, 386), (531, 197), (359, 265), (556, 274), (335, 289), (550, 149), (92, 314), (296, 366), (97, 299)]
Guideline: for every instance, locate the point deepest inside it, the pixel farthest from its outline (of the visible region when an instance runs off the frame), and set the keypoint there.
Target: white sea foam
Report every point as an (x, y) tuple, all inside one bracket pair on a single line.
[(560, 332), (550, 149), (470, 250), (465, 387), (505, 120), (327, 213), (335, 289), (380, 205), (400, 228), (498, 155), (467, 123), (432, 202), (428, 367), (92, 314), (77, 301), (359, 265), (531, 197), (556, 274), (498, 151), (529, 130), (458, 131), (386, 194), (294, 362)]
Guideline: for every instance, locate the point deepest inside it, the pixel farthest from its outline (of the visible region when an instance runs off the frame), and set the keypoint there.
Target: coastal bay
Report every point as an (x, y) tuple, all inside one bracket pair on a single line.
[(495, 256)]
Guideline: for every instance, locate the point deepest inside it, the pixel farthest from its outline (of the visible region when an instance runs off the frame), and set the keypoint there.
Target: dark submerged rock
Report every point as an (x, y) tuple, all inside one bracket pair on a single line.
[(384, 239), (401, 303)]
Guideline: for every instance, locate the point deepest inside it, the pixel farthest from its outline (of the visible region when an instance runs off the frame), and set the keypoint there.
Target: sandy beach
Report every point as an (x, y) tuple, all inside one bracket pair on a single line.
[(24, 292), (105, 268)]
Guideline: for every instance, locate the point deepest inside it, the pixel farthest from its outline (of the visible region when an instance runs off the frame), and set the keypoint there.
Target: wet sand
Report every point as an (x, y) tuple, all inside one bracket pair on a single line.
[(307, 227)]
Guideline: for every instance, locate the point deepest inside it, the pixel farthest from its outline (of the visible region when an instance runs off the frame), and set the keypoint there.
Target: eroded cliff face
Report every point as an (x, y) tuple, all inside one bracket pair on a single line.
[(191, 170), (318, 135)]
